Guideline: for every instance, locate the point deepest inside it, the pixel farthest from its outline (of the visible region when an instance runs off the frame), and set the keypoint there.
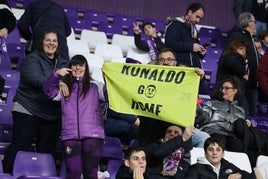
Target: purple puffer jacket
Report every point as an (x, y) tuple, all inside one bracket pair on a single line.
[(81, 117)]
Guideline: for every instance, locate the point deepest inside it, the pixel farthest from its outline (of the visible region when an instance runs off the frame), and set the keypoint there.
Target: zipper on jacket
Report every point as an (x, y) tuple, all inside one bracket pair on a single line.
[(77, 110)]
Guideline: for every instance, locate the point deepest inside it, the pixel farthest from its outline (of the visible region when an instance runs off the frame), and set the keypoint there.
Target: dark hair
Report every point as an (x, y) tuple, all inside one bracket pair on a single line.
[(166, 50), (262, 34), (131, 150), (213, 140), (69, 79), (43, 36), (145, 24), (195, 7), (233, 46), (235, 81)]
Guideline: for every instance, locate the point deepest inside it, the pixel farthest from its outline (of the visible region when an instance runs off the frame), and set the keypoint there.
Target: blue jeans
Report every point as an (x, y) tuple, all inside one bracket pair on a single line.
[(199, 137)]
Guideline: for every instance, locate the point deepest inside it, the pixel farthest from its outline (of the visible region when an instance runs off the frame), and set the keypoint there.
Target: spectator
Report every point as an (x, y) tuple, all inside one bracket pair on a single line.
[(260, 12), (2, 84), (153, 44), (262, 77), (54, 17), (165, 157), (244, 31), (263, 36), (123, 126), (181, 36), (82, 120), (241, 6), (7, 19), (258, 46), (233, 62), (218, 116), (213, 165), (151, 129), (33, 113), (134, 165)]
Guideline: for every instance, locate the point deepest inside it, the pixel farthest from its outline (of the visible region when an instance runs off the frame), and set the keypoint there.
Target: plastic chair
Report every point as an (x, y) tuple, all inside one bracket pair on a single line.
[(78, 25), (143, 57), (113, 166), (34, 165), (108, 51), (77, 47), (124, 41), (260, 123), (239, 159), (261, 169), (93, 38), (17, 12), (110, 29)]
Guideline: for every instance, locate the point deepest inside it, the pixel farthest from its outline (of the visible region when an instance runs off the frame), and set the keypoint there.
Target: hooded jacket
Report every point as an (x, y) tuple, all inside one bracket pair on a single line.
[(204, 170), (81, 116)]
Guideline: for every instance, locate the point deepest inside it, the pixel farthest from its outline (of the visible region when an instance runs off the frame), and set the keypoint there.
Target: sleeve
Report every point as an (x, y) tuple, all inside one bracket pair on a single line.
[(10, 20), (158, 151), (204, 115), (140, 44), (173, 38), (262, 73), (67, 25), (24, 24), (50, 87)]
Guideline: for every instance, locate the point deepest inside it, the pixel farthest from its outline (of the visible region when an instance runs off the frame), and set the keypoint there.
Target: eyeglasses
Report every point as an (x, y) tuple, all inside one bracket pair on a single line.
[(169, 60), (226, 88)]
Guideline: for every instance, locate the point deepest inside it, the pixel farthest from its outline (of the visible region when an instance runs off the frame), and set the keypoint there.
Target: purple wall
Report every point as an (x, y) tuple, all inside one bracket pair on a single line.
[(217, 12)]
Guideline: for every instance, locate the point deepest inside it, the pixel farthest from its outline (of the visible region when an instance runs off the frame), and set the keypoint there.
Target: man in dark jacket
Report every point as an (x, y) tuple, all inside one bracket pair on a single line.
[(54, 17), (181, 36), (165, 157), (244, 31), (213, 165)]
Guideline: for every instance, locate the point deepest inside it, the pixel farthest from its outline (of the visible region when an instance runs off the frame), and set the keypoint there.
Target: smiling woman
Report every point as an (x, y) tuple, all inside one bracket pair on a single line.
[(34, 114)]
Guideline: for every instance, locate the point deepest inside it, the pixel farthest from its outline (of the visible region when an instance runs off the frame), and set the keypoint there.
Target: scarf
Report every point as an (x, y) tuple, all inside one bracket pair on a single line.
[(189, 24), (152, 49), (171, 162)]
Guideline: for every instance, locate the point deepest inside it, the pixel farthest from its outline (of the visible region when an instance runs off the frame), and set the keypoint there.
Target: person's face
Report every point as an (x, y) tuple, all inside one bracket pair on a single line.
[(214, 153), (149, 30), (167, 58), (242, 51), (137, 159), (252, 26), (258, 47), (172, 131), (78, 70), (195, 17), (228, 91), (265, 40), (50, 44)]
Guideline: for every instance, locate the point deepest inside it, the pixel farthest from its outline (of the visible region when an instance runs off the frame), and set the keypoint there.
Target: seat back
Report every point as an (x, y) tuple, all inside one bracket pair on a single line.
[(108, 51), (124, 41), (34, 164), (143, 57), (239, 159), (112, 149), (113, 166)]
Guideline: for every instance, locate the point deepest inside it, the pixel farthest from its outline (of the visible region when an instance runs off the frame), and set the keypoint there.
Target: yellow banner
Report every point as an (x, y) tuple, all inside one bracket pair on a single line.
[(166, 93)]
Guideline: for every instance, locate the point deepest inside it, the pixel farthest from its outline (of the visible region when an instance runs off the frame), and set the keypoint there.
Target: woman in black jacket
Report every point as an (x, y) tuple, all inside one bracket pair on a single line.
[(7, 19)]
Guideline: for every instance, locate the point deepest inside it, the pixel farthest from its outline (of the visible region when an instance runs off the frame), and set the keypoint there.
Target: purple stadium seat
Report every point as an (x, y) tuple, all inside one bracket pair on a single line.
[(79, 24), (112, 149), (4, 175), (71, 12), (14, 37), (110, 29), (260, 123), (34, 165), (95, 17), (211, 36), (113, 166)]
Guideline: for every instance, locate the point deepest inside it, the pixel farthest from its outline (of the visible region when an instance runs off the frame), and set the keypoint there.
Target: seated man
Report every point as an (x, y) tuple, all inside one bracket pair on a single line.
[(153, 44), (213, 165), (165, 157), (134, 165), (123, 126)]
